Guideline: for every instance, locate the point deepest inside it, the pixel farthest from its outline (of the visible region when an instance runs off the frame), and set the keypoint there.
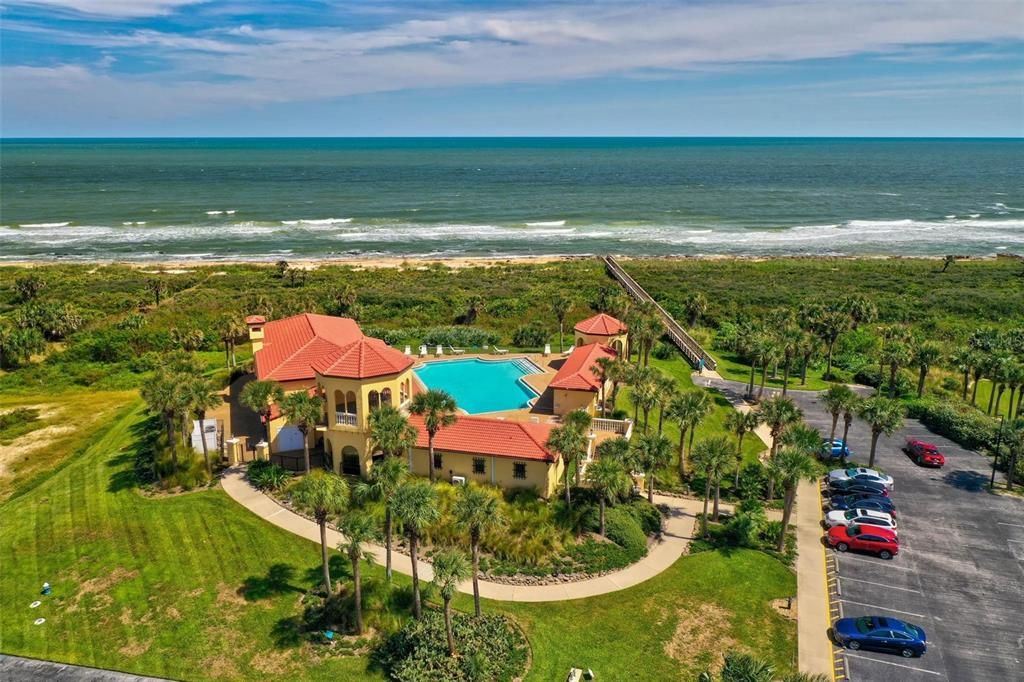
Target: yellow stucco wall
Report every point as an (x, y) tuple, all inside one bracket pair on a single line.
[(567, 401), (610, 341), (362, 390), (543, 476)]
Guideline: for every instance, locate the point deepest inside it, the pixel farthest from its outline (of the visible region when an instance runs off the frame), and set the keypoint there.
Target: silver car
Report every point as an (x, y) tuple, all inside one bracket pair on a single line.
[(862, 474)]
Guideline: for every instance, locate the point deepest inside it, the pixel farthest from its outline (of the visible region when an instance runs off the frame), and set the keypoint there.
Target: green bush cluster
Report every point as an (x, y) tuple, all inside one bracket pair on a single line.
[(491, 648), (532, 335), (956, 421), (464, 336), (267, 476), (622, 528)]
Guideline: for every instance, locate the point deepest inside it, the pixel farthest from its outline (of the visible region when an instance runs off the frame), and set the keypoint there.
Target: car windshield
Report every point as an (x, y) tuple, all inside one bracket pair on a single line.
[(850, 515), (851, 472)]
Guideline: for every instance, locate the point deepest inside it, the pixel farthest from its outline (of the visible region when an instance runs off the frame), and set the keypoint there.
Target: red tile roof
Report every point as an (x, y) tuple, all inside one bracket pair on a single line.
[(575, 373), (334, 346), (255, 319), (489, 436), (601, 325)]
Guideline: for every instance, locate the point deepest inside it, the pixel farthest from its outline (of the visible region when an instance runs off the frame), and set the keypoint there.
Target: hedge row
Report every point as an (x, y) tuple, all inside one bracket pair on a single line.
[(961, 423)]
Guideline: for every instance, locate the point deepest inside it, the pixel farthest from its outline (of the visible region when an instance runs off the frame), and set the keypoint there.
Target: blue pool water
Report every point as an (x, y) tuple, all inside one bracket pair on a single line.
[(481, 385)]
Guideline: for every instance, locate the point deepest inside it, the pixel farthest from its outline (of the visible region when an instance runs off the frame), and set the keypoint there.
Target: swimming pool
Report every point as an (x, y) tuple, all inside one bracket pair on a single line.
[(482, 385)]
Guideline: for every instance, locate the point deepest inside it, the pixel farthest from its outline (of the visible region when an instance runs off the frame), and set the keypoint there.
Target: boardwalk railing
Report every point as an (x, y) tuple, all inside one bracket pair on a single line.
[(623, 427), (690, 348)]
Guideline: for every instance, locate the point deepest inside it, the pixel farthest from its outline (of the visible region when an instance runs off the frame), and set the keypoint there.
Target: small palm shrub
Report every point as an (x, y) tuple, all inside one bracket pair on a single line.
[(267, 476), (624, 530), (419, 651)]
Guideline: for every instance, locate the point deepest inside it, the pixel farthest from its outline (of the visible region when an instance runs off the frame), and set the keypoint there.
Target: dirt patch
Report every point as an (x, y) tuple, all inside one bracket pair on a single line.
[(173, 613), (275, 663), (227, 595), (134, 648), (701, 630), (33, 441), (784, 608), (95, 590)]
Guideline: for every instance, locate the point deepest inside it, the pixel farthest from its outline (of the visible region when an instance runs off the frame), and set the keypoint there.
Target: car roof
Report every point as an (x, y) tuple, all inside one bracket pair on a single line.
[(876, 530), (872, 512)]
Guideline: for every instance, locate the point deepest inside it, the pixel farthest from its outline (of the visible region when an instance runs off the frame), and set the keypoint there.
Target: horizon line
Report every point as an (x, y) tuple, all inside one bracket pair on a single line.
[(513, 137)]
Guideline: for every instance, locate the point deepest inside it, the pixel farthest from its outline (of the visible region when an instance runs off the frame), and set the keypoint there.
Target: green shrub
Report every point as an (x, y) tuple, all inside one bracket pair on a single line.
[(624, 530), (645, 514), (664, 351), (956, 421), (592, 556), (267, 476), (531, 335), (491, 648), (465, 336)]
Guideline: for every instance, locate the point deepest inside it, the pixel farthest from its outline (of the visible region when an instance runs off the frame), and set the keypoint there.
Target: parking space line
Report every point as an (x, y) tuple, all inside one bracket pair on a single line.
[(898, 665), (885, 608), (1017, 525), (876, 563), (891, 587)]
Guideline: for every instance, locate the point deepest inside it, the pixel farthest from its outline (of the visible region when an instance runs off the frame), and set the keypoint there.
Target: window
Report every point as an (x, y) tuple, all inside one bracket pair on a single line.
[(518, 470), (479, 466), (437, 460), (385, 396), (901, 635)]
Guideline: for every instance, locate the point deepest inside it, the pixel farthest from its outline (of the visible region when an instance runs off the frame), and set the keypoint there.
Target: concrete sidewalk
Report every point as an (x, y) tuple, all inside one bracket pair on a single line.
[(35, 670), (675, 538)]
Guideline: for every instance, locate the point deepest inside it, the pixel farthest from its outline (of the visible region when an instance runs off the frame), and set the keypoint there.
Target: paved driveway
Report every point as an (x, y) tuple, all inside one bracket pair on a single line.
[(960, 571)]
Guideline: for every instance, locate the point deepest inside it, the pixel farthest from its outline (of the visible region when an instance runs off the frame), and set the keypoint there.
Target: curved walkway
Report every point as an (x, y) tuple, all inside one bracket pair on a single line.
[(675, 538)]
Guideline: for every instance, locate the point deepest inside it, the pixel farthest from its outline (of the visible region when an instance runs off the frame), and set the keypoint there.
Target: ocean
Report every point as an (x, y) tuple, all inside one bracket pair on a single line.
[(268, 199)]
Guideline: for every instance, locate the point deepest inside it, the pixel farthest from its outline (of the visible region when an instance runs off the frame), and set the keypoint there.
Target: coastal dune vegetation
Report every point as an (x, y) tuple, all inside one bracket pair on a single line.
[(157, 571)]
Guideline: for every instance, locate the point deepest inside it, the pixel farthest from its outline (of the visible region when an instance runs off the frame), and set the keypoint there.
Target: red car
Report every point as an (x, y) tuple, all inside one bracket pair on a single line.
[(874, 539), (925, 454)]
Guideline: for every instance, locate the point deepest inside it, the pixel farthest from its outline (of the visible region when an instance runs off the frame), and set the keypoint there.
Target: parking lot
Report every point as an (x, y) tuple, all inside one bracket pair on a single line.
[(960, 571)]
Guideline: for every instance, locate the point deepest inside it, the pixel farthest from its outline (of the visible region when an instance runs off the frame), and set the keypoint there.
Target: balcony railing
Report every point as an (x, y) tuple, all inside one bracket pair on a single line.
[(623, 427), (345, 419)]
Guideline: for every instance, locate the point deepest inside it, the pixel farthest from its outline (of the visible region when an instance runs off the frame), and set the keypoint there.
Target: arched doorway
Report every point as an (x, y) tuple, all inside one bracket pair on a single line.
[(350, 461)]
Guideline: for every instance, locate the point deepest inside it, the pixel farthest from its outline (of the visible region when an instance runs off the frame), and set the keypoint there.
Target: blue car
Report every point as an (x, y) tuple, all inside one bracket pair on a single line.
[(881, 633), (835, 449), (872, 502)]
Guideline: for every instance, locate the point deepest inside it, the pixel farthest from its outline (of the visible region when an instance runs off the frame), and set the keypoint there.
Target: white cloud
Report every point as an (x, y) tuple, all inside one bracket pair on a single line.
[(111, 8), (539, 44)]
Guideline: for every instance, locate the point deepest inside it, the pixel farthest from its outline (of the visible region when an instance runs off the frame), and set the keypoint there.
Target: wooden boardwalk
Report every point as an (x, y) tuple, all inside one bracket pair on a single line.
[(691, 350)]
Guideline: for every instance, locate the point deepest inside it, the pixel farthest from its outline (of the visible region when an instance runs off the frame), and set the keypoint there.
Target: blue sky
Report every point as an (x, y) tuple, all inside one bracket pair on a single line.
[(449, 67)]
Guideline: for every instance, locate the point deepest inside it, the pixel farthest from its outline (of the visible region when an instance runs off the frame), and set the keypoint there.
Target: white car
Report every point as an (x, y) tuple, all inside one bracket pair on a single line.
[(860, 517), (862, 474)]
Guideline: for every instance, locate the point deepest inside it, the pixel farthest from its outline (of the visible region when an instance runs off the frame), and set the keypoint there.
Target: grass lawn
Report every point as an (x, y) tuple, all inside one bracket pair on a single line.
[(984, 395), (67, 421), (731, 367), (712, 425), (178, 587)]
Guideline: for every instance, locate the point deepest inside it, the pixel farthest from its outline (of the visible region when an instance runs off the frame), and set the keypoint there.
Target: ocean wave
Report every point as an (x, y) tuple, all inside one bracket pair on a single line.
[(889, 194), (31, 225), (547, 223), (317, 222), (214, 212)]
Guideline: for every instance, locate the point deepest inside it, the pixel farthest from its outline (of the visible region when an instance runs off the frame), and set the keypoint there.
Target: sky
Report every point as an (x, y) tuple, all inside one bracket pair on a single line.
[(129, 68)]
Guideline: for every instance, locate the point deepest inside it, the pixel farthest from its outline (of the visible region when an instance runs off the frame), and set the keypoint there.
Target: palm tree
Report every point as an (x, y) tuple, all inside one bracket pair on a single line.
[(571, 445), (1000, 370), (162, 395), (884, 415), (644, 393), (579, 420), (768, 351), (609, 480), (779, 414), (666, 390), (157, 287), (357, 530), (925, 354), (391, 432), (792, 465), (258, 396), (712, 457), (201, 397), (229, 328), (790, 338), (803, 438), (416, 507), (651, 451), (962, 361), (473, 307), (560, 306), (476, 510), (325, 494), (809, 346), (385, 478), (602, 369), (835, 400), (450, 569), (896, 354), (830, 325), (617, 374), (303, 411), (438, 410), (688, 410), (696, 305), (848, 412), (740, 424)]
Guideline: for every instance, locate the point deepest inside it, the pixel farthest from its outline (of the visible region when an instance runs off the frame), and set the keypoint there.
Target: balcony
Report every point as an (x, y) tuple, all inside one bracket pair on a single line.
[(345, 419), (622, 427)]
